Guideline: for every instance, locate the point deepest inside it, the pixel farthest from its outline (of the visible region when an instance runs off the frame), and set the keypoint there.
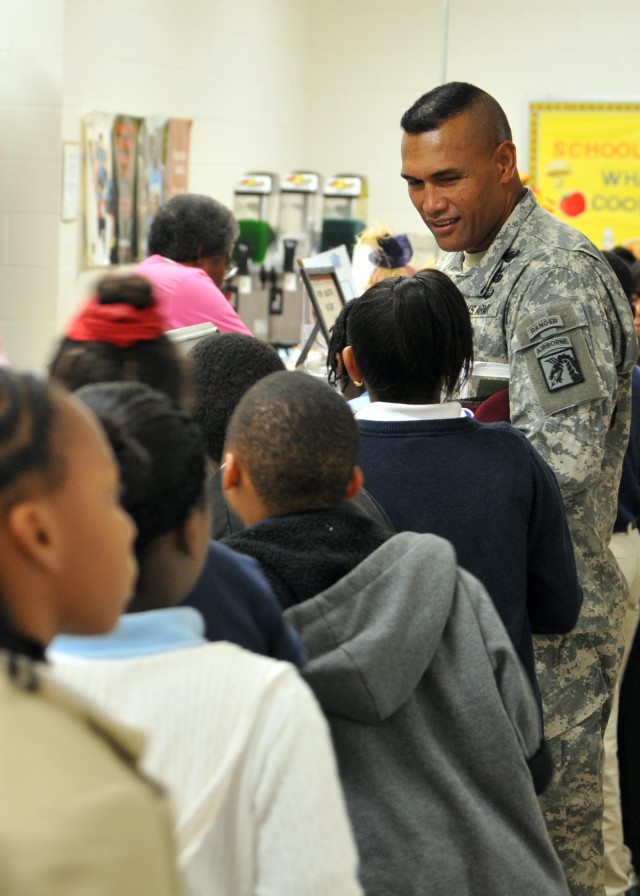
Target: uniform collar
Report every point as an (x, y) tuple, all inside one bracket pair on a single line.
[(478, 279)]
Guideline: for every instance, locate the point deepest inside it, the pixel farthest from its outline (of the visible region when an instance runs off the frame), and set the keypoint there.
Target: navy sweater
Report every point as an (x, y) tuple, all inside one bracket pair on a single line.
[(239, 606), (629, 491), (485, 489)]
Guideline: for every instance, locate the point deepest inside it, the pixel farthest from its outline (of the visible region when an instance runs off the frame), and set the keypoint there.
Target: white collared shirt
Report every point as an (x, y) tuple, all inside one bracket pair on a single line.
[(390, 412)]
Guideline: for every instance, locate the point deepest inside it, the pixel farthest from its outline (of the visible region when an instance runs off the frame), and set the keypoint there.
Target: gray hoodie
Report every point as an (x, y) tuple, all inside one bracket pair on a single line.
[(433, 721)]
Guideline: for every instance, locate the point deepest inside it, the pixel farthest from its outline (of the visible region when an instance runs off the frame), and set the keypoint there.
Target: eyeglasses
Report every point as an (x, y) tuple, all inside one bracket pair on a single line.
[(231, 271)]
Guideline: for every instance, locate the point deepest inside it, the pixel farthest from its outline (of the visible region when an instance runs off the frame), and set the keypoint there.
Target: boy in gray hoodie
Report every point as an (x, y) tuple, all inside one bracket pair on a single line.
[(436, 730)]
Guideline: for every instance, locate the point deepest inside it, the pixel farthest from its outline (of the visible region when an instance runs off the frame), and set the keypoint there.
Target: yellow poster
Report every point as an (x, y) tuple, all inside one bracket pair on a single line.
[(585, 166)]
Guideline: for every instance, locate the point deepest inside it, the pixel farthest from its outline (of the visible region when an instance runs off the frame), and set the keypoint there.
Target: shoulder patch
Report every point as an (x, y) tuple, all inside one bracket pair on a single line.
[(559, 363), (551, 322), (554, 359)]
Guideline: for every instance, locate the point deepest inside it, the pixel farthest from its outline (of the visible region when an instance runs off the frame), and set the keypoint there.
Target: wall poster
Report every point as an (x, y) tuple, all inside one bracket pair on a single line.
[(132, 166), (585, 157)]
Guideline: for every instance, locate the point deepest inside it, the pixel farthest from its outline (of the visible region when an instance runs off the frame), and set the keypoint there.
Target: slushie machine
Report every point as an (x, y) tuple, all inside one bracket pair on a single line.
[(298, 230), (254, 209), (345, 211)]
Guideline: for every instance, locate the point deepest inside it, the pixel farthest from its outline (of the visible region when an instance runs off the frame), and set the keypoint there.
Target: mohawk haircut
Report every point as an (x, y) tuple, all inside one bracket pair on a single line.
[(440, 105), (298, 440)]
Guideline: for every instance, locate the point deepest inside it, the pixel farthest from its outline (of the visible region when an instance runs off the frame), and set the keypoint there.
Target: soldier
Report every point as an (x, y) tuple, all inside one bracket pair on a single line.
[(543, 300)]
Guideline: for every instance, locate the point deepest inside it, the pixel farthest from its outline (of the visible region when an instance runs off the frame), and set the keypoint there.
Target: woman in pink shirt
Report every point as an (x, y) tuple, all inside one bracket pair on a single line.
[(190, 245)]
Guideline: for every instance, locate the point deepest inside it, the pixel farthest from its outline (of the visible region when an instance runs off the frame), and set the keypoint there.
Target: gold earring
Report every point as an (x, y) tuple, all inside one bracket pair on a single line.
[(358, 383)]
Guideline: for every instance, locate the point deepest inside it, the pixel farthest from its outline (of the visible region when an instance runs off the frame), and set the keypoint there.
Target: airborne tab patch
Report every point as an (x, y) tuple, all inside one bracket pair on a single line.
[(559, 363)]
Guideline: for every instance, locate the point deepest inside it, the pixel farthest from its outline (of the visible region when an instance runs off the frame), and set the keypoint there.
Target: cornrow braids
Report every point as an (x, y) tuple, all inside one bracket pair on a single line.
[(159, 450), (27, 418), (27, 421)]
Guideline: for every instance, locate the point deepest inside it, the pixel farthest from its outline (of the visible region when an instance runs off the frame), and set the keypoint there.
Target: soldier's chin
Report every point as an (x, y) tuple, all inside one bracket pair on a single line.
[(448, 237)]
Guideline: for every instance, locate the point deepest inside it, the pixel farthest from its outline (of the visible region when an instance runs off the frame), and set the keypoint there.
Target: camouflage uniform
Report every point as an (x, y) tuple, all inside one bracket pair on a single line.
[(544, 301)]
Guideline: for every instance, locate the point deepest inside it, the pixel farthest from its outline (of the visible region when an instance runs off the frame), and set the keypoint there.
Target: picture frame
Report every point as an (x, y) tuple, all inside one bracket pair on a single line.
[(325, 293)]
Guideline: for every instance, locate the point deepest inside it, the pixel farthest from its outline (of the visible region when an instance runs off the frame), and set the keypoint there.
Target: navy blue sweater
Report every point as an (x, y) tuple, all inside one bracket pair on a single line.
[(239, 606), (485, 489), (629, 491)]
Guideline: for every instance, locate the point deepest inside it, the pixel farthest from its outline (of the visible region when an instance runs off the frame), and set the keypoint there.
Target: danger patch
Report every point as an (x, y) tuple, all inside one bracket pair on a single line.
[(559, 363)]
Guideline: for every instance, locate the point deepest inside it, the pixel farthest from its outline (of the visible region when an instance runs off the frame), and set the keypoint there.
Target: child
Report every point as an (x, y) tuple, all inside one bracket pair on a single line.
[(118, 335), (482, 487), (337, 375), (435, 727), (77, 816), (224, 367), (237, 738)]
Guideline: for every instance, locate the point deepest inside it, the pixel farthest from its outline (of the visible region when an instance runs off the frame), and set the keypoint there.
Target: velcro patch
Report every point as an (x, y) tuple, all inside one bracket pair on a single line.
[(559, 363)]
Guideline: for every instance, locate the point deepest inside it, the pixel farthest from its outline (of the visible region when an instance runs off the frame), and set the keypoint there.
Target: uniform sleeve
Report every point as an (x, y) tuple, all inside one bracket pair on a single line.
[(305, 844), (554, 595), (207, 303), (564, 385)]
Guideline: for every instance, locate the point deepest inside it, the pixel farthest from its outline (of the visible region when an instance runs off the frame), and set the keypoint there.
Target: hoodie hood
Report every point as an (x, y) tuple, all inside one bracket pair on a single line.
[(392, 606)]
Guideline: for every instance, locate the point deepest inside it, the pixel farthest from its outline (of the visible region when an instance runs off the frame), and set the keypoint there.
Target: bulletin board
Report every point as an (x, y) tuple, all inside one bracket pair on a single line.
[(585, 161), (132, 166)]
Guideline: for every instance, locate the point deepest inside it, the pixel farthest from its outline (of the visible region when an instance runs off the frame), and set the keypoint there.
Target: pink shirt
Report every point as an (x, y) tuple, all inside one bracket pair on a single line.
[(188, 296)]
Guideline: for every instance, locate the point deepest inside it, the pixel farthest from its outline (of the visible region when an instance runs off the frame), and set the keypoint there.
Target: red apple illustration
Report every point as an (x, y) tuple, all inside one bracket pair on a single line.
[(573, 204)]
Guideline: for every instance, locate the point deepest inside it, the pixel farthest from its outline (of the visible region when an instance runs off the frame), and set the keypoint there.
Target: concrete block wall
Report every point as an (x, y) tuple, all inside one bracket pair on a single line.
[(31, 69), (271, 84)]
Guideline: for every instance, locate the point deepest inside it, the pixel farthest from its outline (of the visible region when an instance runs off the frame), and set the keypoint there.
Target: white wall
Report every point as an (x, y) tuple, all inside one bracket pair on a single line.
[(31, 66), (275, 84), (519, 52)]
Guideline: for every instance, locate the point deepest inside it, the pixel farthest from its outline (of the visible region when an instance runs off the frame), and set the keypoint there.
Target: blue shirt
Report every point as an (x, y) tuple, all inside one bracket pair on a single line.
[(138, 634)]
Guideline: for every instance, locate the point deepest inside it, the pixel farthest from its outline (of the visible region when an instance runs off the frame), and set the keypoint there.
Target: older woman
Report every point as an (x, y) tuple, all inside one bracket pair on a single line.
[(190, 245)]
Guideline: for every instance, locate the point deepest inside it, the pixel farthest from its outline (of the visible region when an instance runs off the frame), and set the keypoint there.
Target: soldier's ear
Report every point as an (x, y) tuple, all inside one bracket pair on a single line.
[(506, 161)]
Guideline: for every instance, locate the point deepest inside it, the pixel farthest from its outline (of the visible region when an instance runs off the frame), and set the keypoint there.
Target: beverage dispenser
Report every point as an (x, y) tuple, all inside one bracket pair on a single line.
[(255, 196), (344, 212), (298, 229)]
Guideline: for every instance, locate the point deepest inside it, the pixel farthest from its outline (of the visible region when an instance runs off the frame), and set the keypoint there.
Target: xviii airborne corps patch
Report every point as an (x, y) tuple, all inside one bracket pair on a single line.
[(559, 364)]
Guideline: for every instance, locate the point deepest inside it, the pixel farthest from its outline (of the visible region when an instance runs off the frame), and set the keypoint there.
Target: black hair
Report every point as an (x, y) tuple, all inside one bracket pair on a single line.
[(224, 367), (622, 271), (27, 417), (299, 441), (155, 362), (191, 227), (440, 105), (160, 453), (625, 254), (28, 423), (337, 341), (635, 273), (412, 337)]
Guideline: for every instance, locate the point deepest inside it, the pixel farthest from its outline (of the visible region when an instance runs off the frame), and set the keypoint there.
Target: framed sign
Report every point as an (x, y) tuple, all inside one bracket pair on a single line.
[(584, 160), (324, 291)]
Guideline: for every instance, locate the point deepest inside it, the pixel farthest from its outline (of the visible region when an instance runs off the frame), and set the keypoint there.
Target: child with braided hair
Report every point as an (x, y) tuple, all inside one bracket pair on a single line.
[(237, 738), (77, 816), (118, 335)]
